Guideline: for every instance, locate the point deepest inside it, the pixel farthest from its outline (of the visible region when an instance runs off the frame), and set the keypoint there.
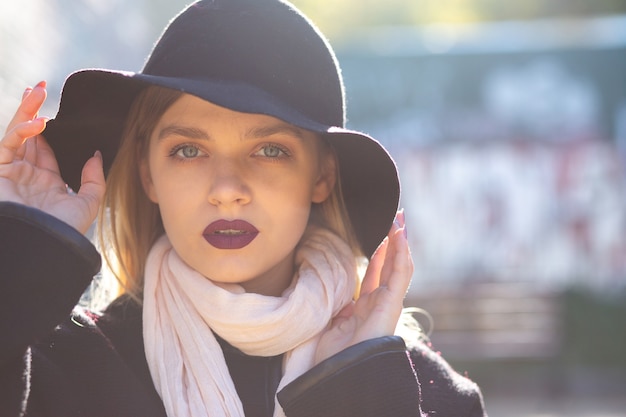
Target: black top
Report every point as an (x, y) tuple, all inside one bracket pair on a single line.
[(58, 360)]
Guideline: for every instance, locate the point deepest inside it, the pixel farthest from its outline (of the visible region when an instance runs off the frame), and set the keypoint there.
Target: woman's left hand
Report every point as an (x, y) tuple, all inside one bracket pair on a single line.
[(377, 310)]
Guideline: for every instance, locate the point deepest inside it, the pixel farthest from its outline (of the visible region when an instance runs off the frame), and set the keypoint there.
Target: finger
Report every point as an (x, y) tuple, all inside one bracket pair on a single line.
[(398, 277), (45, 155), (30, 105), (26, 93), (21, 151), (400, 218), (371, 279), (379, 263), (29, 150), (345, 312), (92, 185), (15, 137), (391, 250)]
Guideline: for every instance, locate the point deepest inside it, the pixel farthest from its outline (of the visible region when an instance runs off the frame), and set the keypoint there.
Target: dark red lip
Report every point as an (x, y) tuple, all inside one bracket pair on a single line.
[(230, 234)]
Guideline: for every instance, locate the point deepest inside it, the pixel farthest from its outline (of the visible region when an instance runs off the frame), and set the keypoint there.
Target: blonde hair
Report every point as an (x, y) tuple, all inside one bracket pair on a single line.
[(129, 223)]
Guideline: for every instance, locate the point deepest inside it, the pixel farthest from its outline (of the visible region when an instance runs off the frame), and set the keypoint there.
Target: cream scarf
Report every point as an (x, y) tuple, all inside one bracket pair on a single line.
[(181, 307)]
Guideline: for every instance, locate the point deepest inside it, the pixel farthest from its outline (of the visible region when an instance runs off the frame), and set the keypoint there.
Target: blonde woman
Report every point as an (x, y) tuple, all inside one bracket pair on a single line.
[(233, 208)]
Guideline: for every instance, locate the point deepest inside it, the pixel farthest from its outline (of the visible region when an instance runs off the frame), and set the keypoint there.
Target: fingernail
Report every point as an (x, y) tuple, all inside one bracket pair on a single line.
[(42, 84), (405, 233), (26, 92), (41, 119)]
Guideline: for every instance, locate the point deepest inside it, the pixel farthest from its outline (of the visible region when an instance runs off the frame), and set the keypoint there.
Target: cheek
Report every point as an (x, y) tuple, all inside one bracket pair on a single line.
[(292, 206), (174, 197), (290, 189), (172, 181)]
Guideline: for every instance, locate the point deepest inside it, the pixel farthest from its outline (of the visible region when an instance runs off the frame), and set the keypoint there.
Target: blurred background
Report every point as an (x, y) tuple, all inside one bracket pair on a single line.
[(508, 123)]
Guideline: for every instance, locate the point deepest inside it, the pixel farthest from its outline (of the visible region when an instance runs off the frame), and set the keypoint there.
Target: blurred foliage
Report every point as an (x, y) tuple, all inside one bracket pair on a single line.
[(594, 332), (591, 359), (339, 18)]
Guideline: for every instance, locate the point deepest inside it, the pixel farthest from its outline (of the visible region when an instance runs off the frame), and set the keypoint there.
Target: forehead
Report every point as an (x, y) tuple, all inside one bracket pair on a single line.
[(197, 118)]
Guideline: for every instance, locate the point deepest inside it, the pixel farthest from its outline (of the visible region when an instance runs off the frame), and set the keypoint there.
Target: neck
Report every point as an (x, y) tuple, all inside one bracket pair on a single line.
[(274, 281)]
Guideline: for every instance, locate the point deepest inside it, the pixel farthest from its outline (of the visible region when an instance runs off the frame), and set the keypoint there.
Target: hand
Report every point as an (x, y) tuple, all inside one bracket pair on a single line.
[(29, 173), (377, 310)]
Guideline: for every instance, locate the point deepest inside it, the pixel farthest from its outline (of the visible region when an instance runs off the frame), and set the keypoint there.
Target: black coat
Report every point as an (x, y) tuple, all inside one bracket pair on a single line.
[(57, 360)]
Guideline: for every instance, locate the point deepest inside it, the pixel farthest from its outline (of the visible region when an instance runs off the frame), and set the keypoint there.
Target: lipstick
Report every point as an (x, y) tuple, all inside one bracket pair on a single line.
[(230, 234)]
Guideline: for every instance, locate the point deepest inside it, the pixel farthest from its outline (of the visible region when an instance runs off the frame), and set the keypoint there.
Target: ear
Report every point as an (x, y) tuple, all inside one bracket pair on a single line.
[(327, 178), (146, 180)]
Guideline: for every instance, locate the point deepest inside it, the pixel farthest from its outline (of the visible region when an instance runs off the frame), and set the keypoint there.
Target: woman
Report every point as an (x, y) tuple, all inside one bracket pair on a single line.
[(235, 211)]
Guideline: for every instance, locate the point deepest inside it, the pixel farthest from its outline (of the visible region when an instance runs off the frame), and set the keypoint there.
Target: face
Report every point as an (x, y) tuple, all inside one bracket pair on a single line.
[(235, 190)]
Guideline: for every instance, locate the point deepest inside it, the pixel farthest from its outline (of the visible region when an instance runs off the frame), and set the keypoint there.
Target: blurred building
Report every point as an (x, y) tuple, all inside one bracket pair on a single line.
[(510, 140)]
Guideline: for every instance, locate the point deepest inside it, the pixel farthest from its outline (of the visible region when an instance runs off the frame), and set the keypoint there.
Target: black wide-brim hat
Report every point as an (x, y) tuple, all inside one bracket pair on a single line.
[(252, 56)]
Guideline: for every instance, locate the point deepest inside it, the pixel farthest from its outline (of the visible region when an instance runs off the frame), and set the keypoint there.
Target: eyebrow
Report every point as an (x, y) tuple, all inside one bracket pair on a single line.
[(264, 131), (184, 131), (253, 133)]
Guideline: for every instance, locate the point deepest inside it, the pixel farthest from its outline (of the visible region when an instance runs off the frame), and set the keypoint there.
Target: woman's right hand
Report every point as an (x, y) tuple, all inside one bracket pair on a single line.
[(29, 173)]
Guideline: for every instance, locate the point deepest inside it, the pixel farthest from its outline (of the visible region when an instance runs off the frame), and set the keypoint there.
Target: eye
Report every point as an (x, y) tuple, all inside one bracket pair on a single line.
[(272, 151), (185, 151)]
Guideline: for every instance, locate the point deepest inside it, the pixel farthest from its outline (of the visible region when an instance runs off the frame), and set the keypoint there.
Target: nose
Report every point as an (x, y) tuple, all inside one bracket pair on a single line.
[(228, 183)]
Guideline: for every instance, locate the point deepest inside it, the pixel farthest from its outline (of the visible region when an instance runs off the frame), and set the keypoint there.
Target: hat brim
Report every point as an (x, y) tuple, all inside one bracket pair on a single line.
[(95, 103)]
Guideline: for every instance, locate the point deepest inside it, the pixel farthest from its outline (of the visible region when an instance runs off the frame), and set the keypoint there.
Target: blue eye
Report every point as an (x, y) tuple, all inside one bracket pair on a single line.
[(186, 151), (272, 151)]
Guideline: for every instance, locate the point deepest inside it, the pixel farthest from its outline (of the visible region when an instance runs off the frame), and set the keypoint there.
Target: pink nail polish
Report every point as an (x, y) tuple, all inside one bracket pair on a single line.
[(399, 219)]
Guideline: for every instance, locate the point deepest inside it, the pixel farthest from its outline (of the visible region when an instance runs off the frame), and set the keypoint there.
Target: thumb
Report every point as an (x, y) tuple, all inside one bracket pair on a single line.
[(346, 312)]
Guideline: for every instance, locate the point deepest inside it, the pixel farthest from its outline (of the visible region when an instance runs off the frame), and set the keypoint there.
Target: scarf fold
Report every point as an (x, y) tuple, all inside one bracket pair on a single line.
[(182, 308)]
